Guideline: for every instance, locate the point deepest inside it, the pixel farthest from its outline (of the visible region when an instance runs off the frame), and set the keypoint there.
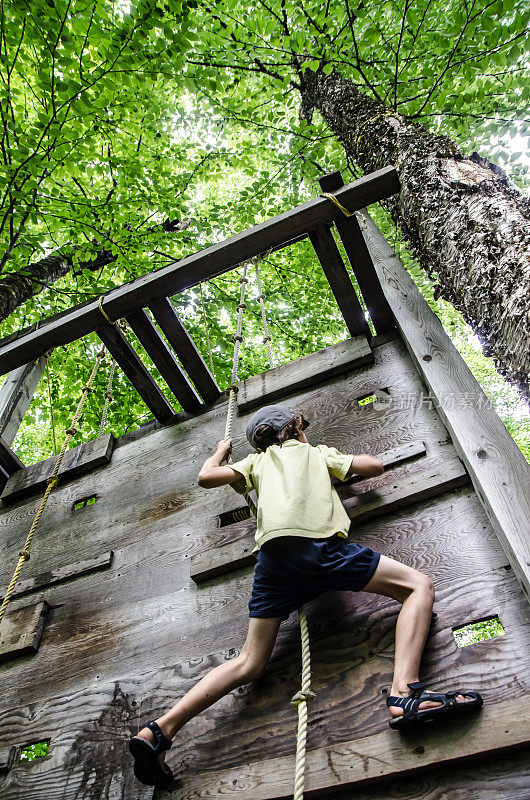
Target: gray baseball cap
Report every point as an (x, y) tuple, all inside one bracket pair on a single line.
[(275, 416)]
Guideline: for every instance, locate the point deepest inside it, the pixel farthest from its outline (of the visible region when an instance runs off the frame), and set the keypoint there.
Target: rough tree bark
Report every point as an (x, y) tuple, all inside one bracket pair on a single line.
[(464, 219), (17, 287)]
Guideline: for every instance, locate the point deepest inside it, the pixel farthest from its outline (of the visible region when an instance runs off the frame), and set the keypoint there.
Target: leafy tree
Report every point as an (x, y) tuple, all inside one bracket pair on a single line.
[(199, 126)]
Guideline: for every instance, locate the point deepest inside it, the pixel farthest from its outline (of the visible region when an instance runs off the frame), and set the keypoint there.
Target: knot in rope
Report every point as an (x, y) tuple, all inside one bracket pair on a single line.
[(302, 697), (25, 554)]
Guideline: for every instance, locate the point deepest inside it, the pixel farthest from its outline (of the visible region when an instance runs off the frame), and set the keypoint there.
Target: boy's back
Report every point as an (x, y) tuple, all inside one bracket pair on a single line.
[(296, 497)]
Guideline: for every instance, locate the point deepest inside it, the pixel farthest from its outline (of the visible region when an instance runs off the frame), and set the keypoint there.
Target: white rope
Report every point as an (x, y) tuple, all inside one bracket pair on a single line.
[(108, 398), (261, 298), (300, 701)]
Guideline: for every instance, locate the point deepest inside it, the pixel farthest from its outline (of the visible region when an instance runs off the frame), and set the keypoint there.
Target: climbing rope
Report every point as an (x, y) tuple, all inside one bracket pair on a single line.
[(108, 397), (300, 701), (304, 694), (52, 483), (261, 298), (206, 329), (50, 401)]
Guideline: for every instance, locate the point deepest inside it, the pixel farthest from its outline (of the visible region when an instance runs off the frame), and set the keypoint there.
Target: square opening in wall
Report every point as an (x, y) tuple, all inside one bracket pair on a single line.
[(84, 502), (237, 515), (35, 750), (479, 631)]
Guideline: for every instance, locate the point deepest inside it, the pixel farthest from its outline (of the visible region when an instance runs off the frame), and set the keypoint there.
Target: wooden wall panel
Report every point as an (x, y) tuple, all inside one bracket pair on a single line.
[(122, 644)]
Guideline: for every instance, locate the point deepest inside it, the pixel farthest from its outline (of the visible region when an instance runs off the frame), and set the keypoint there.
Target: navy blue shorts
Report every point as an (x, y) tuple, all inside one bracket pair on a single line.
[(291, 570)]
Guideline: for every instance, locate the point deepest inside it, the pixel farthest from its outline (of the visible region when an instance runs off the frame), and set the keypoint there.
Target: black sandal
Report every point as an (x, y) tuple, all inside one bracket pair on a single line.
[(147, 767), (412, 716)]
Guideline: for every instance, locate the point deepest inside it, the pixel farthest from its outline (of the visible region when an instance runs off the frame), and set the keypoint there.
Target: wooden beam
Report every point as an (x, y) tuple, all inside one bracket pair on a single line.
[(184, 347), (498, 470), (307, 371), (164, 361), (428, 480), (66, 573), (22, 629), (361, 261), (194, 269), (9, 461), (135, 371), (329, 256), (77, 461), (15, 396), (497, 727)]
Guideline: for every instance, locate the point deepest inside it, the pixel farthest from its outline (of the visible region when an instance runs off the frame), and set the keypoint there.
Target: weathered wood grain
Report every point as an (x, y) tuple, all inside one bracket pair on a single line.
[(183, 345), (505, 777), (77, 461), (360, 261), (10, 463), (306, 371), (498, 470), (193, 269), (497, 728), (21, 631), (134, 369), (164, 360), (68, 572), (15, 396), (333, 266), (365, 500)]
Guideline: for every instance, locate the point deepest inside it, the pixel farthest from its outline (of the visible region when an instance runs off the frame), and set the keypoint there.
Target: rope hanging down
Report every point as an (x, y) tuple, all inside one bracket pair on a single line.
[(52, 483), (304, 694)]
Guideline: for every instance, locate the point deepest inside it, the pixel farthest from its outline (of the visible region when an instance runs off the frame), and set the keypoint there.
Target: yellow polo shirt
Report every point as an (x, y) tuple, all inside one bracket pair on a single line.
[(295, 494)]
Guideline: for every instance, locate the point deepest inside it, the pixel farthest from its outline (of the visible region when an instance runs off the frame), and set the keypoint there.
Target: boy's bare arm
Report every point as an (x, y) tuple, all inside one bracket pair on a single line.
[(365, 465), (212, 474)]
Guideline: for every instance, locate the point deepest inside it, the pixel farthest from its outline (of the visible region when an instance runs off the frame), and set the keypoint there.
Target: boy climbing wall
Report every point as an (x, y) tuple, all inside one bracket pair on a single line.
[(302, 551)]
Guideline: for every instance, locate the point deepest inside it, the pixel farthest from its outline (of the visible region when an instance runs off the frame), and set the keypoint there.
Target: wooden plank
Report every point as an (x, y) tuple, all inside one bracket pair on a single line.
[(183, 345), (22, 629), (306, 371), (68, 572), (164, 360), (9, 461), (135, 371), (498, 470), (77, 461), (375, 497), (329, 256), (194, 269), (360, 261), (497, 728), (15, 396), (393, 457)]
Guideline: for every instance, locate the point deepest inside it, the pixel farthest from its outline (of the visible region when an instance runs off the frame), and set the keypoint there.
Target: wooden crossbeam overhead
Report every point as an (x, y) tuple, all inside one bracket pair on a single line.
[(182, 343), (194, 269), (117, 344), (164, 360), (361, 261), (329, 256), (9, 461)]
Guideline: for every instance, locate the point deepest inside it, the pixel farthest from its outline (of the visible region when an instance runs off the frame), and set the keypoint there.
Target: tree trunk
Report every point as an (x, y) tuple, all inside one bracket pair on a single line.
[(17, 287), (464, 219)]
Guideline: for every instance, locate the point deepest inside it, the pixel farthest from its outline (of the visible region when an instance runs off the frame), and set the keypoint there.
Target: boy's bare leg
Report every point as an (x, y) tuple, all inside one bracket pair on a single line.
[(416, 592), (246, 667)]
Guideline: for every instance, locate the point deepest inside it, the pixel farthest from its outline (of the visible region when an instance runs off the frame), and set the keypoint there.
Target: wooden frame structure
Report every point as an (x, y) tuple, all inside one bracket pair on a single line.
[(154, 595)]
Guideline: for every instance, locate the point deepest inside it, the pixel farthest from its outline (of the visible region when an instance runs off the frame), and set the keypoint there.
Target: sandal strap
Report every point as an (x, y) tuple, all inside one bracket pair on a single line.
[(162, 742)]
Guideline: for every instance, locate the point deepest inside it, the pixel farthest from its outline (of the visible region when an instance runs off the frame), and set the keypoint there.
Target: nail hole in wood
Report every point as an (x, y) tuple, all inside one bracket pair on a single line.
[(478, 631), (427, 357)]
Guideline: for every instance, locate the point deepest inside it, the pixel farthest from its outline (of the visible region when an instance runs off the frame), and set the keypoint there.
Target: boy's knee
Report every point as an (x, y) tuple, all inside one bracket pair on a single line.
[(426, 585), (250, 668)]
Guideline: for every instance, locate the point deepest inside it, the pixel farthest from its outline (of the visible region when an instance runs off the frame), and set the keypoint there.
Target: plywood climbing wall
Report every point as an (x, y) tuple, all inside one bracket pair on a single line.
[(129, 630)]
